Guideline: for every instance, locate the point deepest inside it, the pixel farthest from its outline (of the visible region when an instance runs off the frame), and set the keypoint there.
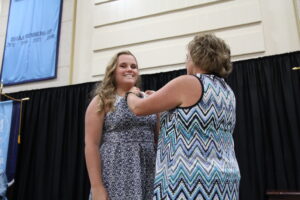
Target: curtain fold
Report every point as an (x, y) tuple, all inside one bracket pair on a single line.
[(51, 160), (267, 134)]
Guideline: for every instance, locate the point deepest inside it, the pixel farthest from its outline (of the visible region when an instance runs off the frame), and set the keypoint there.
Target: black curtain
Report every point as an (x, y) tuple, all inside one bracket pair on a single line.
[(267, 135), (51, 156)]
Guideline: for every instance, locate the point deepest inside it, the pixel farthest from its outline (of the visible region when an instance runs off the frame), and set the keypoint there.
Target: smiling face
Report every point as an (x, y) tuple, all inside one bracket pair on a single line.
[(126, 73)]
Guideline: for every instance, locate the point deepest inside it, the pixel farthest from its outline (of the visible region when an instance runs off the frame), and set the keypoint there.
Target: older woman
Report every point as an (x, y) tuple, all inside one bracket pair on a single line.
[(195, 156), (119, 146)]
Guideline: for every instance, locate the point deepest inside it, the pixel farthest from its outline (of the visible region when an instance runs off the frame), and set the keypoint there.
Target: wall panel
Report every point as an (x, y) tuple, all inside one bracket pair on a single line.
[(159, 54), (125, 10), (159, 31), (175, 24)]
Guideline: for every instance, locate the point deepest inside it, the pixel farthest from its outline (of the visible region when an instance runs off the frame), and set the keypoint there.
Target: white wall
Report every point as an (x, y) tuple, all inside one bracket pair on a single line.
[(157, 32), (65, 48)]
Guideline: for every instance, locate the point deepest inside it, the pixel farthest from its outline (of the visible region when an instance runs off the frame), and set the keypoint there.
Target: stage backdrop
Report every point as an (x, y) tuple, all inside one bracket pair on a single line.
[(30, 52), (51, 161)]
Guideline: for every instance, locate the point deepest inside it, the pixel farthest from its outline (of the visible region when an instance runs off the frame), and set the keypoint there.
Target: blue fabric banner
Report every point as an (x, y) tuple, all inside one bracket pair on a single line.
[(9, 130), (5, 125), (31, 44), (11, 162)]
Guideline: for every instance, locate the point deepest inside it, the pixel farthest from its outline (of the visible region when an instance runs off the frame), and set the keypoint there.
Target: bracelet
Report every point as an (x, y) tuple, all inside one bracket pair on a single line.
[(127, 93), (140, 95)]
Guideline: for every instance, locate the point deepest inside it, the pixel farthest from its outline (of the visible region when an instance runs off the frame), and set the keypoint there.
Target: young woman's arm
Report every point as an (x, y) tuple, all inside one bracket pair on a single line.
[(182, 91), (93, 132)]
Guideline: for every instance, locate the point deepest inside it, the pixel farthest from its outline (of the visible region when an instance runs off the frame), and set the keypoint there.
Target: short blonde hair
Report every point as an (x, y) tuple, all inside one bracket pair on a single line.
[(211, 54)]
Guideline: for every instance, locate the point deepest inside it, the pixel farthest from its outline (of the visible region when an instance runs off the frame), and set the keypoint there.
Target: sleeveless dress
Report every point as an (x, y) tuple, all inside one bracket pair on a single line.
[(128, 153), (195, 155)]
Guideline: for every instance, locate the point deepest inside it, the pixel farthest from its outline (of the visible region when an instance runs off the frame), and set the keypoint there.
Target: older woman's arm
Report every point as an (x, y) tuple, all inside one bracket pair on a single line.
[(182, 91)]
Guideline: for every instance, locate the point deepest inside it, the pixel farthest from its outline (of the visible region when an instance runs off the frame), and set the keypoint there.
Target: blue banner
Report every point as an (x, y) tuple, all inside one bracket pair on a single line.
[(5, 125), (9, 130), (11, 162), (31, 46)]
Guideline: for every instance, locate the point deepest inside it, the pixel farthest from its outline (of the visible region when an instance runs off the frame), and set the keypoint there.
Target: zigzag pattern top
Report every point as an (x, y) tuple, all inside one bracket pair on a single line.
[(195, 155)]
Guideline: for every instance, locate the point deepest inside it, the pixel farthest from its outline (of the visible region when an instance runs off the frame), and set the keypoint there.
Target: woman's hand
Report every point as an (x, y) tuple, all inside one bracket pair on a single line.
[(135, 90), (99, 193)]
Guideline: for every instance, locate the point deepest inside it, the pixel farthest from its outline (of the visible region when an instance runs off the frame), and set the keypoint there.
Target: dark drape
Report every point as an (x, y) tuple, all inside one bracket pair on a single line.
[(267, 135), (51, 157)]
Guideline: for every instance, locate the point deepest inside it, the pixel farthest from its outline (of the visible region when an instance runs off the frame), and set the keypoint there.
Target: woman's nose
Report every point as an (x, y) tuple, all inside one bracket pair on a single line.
[(128, 68)]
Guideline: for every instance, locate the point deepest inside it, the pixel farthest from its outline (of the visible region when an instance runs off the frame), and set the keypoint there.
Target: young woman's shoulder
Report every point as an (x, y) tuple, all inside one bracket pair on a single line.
[(94, 102), (93, 107)]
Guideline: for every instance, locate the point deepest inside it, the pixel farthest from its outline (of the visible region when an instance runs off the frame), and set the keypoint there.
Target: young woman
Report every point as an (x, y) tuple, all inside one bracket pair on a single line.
[(119, 146)]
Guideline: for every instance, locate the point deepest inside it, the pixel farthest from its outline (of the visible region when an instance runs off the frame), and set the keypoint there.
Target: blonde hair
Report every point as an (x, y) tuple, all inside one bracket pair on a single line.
[(106, 90), (211, 54)]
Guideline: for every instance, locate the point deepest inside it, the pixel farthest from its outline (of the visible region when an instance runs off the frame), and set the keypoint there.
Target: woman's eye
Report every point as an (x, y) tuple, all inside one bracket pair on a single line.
[(133, 66)]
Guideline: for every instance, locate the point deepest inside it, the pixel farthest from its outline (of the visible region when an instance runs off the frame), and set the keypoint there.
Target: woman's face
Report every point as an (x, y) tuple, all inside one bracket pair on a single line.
[(126, 71)]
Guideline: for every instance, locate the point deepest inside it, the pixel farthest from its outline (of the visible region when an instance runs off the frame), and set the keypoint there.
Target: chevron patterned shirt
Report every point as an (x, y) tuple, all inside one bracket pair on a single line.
[(195, 156)]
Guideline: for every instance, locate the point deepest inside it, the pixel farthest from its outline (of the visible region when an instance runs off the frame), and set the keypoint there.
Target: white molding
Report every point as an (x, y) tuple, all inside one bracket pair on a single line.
[(175, 25), (98, 2), (163, 54), (127, 10)]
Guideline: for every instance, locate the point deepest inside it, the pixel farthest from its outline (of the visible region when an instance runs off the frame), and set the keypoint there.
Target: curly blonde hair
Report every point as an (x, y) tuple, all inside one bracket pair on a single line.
[(106, 90), (211, 54)]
